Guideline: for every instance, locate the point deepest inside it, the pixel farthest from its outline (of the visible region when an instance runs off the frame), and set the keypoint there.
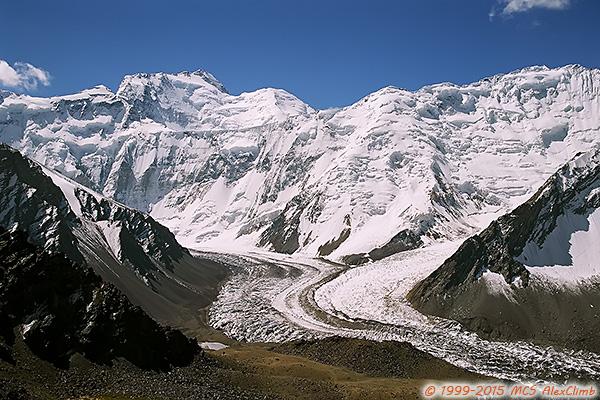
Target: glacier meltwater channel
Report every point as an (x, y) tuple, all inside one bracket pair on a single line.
[(273, 298)]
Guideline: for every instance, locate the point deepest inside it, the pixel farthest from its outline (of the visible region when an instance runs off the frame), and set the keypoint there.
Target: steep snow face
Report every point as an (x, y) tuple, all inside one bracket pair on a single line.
[(263, 168)]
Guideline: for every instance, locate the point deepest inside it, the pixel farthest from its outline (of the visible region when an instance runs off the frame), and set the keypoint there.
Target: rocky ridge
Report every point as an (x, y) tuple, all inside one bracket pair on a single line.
[(124, 246), (61, 309), (524, 276)]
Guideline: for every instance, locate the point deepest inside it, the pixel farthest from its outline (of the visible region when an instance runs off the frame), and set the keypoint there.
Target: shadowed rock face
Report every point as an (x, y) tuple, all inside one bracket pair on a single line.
[(402, 241), (528, 307), (60, 309), (30, 201)]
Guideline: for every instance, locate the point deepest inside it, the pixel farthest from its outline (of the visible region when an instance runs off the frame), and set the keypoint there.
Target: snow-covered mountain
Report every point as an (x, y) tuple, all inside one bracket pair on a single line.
[(123, 245), (533, 273), (393, 171)]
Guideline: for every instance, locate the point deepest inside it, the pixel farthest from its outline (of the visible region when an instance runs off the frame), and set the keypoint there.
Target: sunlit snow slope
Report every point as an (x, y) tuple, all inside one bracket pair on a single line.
[(391, 172)]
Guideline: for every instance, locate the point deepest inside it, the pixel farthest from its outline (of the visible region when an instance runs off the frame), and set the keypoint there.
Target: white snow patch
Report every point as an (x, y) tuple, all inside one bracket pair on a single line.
[(571, 251), (27, 327), (497, 285), (68, 189), (111, 232), (213, 346)]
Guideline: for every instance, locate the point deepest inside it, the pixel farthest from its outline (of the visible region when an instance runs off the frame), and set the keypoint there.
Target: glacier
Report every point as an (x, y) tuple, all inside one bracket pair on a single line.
[(275, 298)]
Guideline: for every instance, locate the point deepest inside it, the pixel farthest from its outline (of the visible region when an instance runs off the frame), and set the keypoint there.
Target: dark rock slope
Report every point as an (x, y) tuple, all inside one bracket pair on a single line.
[(526, 306), (124, 246), (61, 309)]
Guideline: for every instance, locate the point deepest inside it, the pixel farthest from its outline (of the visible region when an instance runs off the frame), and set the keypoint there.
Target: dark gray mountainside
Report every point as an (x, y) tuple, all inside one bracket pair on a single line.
[(61, 309), (124, 246), (66, 334), (523, 305)]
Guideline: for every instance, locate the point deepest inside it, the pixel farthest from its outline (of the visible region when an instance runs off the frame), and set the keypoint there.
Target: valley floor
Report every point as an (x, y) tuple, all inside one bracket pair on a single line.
[(290, 371)]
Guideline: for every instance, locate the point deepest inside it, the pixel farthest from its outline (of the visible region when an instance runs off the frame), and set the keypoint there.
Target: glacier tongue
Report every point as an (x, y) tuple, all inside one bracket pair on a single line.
[(263, 168)]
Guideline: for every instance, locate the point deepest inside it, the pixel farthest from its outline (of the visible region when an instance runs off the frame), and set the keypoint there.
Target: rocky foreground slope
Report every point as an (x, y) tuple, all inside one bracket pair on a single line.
[(533, 274), (61, 309), (391, 172)]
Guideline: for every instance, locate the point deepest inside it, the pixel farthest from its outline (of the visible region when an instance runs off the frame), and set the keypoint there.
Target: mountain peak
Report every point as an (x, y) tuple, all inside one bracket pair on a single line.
[(209, 164), (136, 84), (207, 77)]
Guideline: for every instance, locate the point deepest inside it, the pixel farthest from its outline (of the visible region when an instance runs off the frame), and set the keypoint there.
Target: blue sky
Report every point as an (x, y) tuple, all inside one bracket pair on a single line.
[(328, 53)]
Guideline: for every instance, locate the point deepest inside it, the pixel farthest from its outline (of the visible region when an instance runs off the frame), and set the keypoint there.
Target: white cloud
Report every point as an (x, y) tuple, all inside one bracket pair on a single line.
[(22, 76), (516, 6)]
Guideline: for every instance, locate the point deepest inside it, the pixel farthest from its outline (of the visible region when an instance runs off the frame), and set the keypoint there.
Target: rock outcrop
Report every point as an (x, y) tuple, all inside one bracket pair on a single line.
[(61, 309)]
